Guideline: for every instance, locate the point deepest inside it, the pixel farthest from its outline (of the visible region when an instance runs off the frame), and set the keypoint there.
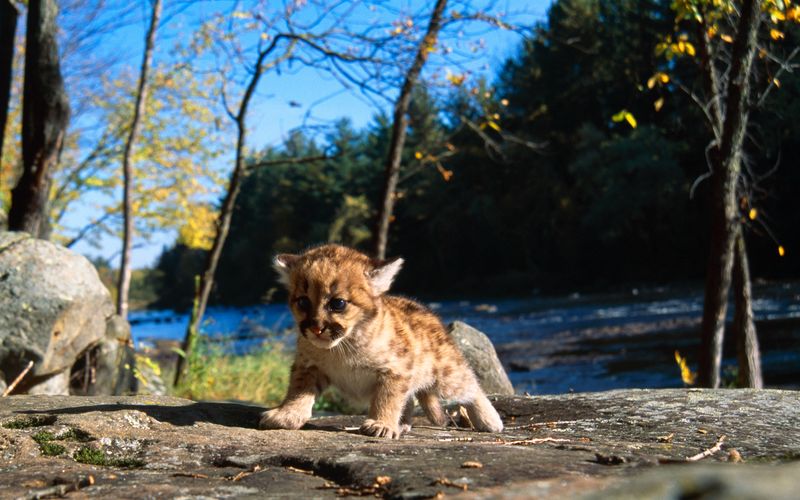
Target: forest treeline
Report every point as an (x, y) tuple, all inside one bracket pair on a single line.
[(549, 193)]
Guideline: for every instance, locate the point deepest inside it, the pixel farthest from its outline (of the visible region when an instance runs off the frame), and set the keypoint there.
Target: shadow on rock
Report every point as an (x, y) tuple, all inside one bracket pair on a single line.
[(219, 413)]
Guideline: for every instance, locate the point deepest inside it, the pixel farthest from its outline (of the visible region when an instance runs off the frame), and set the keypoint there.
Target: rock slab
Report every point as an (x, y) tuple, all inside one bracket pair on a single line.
[(567, 445), (53, 306)]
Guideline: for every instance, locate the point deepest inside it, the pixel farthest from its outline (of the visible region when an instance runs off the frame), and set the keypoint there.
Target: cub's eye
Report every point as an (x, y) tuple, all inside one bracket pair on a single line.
[(337, 305), (303, 303)]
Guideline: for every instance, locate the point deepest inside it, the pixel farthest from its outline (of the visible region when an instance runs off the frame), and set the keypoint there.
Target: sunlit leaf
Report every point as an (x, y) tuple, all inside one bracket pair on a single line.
[(658, 104), (493, 125), (455, 79), (726, 38), (781, 250), (626, 116), (753, 214), (687, 375), (776, 34)]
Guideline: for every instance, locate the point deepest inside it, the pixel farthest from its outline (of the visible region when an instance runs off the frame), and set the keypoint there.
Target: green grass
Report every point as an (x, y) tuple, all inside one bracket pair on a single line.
[(261, 376)]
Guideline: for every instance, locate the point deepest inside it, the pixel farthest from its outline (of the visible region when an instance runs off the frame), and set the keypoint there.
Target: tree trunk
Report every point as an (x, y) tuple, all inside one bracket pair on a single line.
[(743, 324), (224, 220), (724, 218), (399, 130), (45, 115), (124, 280), (8, 29)]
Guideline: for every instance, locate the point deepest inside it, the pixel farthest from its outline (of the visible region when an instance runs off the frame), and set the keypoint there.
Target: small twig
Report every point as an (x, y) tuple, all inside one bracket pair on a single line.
[(190, 474), (301, 471), (18, 379), (243, 474), (457, 439), (708, 452), (540, 424), (60, 490), (526, 442), (446, 482)]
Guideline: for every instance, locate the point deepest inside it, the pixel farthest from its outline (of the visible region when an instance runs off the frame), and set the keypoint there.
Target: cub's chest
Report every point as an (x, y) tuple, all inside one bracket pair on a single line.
[(356, 382)]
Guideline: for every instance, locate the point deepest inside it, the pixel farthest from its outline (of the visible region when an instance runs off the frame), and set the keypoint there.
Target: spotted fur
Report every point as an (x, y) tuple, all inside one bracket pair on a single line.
[(377, 348)]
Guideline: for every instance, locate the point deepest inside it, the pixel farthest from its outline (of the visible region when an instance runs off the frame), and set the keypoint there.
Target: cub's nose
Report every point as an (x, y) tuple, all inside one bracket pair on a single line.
[(315, 329)]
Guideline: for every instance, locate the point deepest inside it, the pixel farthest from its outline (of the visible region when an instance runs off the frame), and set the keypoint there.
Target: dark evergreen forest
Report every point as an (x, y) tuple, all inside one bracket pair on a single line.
[(558, 197)]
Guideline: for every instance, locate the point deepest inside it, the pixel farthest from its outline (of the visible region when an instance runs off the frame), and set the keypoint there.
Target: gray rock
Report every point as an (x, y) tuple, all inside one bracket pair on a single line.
[(714, 481), (552, 446), (53, 307), (481, 356)]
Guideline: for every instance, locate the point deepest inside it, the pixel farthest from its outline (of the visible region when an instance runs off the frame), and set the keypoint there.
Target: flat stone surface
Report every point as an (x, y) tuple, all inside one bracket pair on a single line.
[(553, 446)]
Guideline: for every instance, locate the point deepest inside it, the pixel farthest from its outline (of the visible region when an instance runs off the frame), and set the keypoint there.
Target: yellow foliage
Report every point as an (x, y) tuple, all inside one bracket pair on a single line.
[(687, 375), (658, 104), (455, 79), (626, 116), (776, 34), (781, 250), (753, 214), (660, 77), (199, 229)]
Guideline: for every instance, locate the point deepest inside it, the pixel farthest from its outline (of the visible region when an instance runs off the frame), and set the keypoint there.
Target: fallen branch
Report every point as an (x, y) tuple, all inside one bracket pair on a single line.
[(708, 452), (18, 380)]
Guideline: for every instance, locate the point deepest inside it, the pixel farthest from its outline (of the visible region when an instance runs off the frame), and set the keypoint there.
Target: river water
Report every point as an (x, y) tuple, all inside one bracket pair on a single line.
[(556, 344)]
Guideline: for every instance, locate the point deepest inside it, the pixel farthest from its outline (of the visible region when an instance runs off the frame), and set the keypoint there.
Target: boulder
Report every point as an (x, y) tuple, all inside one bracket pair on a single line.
[(53, 307), (481, 356), (634, 443)]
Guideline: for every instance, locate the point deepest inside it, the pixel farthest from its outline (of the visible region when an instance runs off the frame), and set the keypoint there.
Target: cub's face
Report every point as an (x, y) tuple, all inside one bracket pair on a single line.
[(333, 290)]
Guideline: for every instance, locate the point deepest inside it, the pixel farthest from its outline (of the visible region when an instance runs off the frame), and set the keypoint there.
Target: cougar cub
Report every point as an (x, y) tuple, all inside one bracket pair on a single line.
[(373, 347)]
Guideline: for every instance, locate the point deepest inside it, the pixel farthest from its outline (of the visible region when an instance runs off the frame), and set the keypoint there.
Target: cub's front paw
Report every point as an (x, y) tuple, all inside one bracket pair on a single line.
[(281, 418), (377, 428)]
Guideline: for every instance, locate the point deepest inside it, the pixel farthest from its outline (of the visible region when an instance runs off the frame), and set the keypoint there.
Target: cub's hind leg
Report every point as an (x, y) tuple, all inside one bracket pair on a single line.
[(432, 406), (482, 414), (463, 387)]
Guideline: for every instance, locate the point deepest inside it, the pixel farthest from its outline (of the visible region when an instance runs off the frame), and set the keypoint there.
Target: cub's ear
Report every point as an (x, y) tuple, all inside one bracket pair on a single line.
[(283, 263), (383, 274)]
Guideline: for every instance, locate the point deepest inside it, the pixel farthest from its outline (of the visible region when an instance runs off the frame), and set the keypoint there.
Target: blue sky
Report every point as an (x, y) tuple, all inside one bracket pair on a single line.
[(272, 116)]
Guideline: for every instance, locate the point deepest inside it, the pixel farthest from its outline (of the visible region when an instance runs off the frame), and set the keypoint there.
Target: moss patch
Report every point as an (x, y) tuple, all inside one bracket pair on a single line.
[(32, 421), (50, 449), (92, 456), (46, 445)]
